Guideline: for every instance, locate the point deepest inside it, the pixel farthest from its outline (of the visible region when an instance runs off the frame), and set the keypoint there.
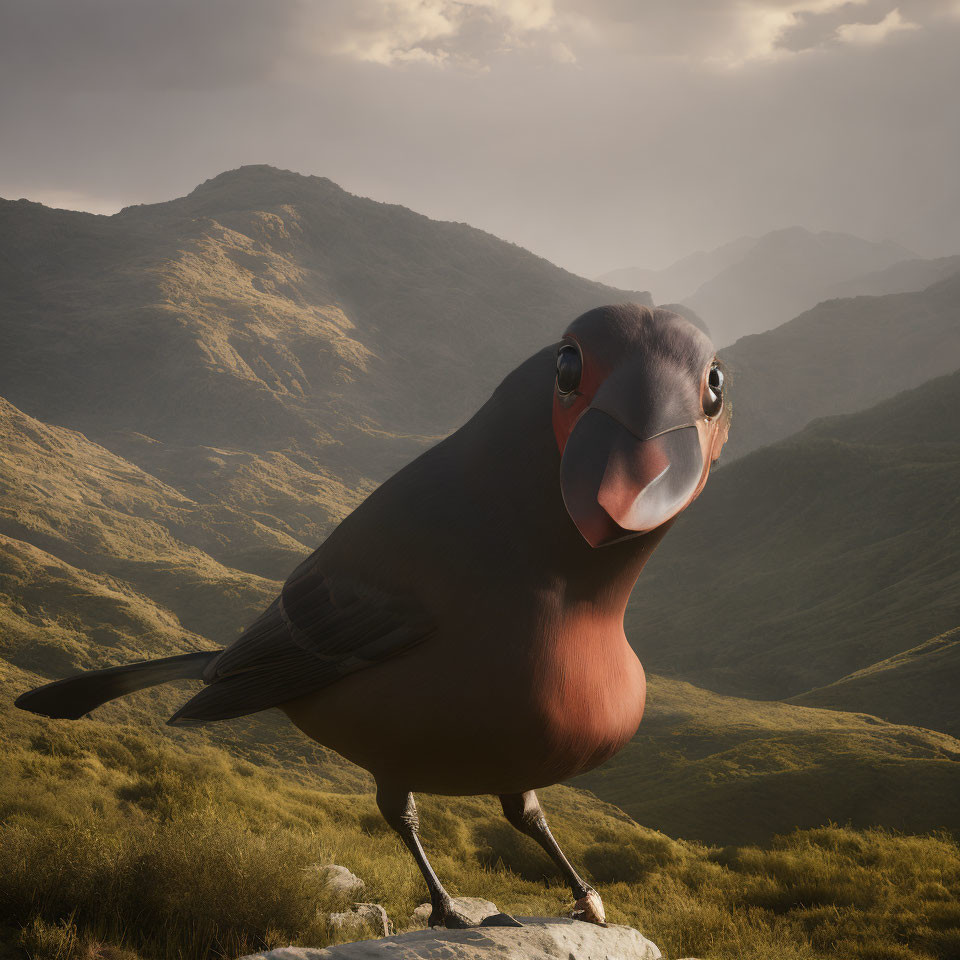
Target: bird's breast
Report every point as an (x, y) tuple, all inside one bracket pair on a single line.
[(487, 705), (588, 691)]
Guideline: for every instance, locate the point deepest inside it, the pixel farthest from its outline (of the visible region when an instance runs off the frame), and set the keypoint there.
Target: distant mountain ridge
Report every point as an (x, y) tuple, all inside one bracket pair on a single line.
[(905, 276), (783, 274), (915, 686), (841, 356), (684, 277), (754, 284), (280, 291)]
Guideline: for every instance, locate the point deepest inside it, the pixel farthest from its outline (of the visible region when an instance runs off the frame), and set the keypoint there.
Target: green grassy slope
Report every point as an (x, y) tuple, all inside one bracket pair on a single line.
[(116, 843), (727, 770), (841, 356), (813, 558), (92, 510), (918, 686), (102, 564)]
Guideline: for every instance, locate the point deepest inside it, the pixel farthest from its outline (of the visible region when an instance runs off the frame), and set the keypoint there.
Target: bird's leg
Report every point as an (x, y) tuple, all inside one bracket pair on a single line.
[(524, 812), (400, 811)]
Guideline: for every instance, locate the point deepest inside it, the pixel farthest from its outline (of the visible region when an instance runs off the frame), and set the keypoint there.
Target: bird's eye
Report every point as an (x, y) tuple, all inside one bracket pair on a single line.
[(569, 369), (713, 391)]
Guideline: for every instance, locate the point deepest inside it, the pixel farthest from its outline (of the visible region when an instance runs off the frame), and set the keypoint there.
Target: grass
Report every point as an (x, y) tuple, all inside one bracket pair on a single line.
[(117, 843), (721, 769)]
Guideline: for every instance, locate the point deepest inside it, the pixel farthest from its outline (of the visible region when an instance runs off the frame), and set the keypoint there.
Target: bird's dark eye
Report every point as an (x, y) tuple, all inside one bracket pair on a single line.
[(713, 391), (569, 369)]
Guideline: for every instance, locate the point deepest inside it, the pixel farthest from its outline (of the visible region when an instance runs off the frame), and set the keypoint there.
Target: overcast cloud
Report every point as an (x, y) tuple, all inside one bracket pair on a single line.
[(599, 133)]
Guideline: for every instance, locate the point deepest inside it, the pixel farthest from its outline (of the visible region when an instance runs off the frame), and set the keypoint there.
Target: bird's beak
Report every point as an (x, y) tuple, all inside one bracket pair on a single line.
[(616, 485)]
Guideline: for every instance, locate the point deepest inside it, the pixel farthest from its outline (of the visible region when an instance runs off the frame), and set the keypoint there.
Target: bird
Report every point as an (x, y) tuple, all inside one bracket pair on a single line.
[(461, 631)]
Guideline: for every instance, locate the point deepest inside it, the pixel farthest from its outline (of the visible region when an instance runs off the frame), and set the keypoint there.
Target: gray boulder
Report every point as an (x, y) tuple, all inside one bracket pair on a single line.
[(540, 938), (338, 879), (360, 916)]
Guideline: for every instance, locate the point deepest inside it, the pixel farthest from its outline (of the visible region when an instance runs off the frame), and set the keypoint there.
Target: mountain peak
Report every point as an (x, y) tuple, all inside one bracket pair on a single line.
[(260, 184)]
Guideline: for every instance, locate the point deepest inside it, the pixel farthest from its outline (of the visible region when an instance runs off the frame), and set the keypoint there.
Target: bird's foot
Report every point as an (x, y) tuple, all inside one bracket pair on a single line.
[(589, 908), (460, 913)]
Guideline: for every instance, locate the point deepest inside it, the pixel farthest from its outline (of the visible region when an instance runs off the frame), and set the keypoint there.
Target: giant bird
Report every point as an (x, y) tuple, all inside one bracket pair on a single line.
[(461, 632)]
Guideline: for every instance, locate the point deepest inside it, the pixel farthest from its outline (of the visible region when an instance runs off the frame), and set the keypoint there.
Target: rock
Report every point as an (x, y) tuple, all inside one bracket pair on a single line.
[(541, 938), (422, 913), (473, 909), (339, 879), (361, 915)]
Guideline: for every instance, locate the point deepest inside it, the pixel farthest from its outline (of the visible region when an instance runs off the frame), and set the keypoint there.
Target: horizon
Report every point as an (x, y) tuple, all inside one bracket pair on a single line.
[(908, 253)]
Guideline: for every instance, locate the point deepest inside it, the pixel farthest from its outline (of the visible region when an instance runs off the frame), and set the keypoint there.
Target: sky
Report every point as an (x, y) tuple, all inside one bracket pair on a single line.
[(597, 133)]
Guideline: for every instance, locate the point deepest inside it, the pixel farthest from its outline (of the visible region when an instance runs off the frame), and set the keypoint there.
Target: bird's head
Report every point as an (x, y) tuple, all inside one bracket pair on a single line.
[(639, 414)]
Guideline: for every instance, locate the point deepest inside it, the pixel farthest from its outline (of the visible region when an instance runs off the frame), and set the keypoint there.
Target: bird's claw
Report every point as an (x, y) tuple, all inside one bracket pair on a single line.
[(589, 908), (446, 914)]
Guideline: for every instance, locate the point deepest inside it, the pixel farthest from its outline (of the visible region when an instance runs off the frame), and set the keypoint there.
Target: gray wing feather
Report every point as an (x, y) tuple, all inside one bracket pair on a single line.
[(318, 630)]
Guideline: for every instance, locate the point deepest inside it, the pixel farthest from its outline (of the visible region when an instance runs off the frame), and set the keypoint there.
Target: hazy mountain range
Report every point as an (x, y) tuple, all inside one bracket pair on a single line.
[(839, 357), (196, 391), (684, 277), (754, 284)]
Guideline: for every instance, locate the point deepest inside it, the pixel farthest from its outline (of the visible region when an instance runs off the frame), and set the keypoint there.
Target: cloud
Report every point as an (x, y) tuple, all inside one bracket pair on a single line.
[(202, 44), (734, 33), (596, 132), (438, 32), (893, 22)]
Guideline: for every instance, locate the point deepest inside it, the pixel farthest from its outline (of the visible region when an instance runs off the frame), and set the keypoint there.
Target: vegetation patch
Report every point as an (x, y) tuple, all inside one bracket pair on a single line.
[(117, 843)]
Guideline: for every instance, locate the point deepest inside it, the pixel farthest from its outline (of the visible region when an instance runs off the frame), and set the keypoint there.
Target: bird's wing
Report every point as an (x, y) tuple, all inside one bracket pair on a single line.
[(318, 630)]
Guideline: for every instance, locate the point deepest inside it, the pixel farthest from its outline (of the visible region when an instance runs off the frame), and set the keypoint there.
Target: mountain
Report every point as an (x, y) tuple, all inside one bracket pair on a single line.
[(783, 274), (198, 390), (839, 357), (268, 334), (902, 277), (682, 278), (816, 557), (917, 686), (723, 770)]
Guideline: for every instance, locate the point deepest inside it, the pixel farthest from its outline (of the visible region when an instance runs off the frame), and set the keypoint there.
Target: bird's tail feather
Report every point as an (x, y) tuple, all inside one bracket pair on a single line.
[(75, 696)]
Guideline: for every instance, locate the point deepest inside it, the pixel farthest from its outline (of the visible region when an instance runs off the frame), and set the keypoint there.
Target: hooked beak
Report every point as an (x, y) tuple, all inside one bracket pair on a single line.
[(616, 485)]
